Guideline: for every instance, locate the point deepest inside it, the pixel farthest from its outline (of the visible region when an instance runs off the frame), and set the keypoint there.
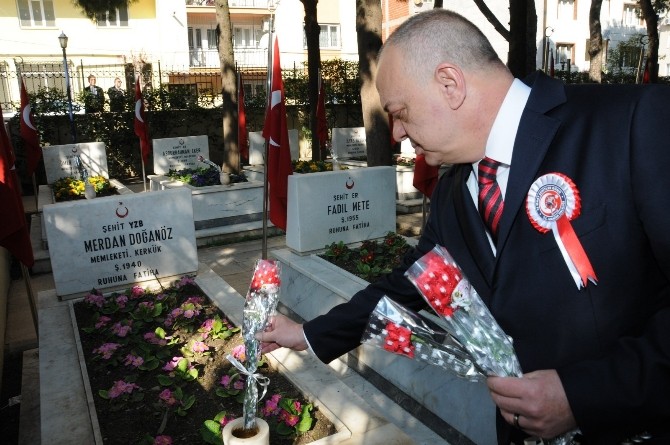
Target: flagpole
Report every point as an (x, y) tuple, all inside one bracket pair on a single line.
[(264, 249)]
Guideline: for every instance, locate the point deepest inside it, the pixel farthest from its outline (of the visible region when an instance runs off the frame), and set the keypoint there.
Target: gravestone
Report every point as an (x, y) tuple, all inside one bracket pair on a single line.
[(60, 161), (179, 153), (257, 147), (346, 205), (349, 142), (114, 241), (406, 149)]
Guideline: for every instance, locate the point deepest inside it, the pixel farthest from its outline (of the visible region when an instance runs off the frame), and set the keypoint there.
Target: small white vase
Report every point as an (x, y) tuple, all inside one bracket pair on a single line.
[(89, 190), (262, 436), (224, 178)]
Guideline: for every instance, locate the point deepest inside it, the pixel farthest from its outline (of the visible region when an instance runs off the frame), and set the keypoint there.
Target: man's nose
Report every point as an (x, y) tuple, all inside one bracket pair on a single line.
[(399, 133)]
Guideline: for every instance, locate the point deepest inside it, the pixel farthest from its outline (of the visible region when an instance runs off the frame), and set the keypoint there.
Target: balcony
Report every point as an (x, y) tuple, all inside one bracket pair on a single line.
[(231, 3), (244, 57)]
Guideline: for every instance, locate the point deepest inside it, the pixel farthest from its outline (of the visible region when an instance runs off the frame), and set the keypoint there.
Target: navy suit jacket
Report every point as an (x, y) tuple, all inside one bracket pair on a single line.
[(610, 342)]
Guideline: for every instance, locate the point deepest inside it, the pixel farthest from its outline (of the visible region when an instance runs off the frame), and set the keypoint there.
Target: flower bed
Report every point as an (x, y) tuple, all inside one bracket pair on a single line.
[(69, 188), (156, 365), (372, 259), (203, 176)]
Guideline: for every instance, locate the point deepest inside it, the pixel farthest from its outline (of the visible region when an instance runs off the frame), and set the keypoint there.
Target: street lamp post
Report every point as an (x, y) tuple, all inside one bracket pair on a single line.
[(62, 39)]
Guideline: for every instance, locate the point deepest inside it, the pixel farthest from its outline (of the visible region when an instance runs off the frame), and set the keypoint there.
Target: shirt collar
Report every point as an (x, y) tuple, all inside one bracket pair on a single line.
[(500, 143)]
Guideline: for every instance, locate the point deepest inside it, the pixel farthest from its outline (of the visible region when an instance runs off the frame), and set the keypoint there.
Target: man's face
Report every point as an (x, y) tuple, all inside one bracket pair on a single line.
[(117, 83), (420, 113), (91, 80)]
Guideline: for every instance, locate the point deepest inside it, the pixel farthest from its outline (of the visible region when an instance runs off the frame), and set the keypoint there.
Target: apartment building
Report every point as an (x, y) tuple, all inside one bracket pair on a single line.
[(178, 38)]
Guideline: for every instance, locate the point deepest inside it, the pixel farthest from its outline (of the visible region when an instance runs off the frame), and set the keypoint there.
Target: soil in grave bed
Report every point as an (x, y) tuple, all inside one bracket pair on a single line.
[(132, 320)]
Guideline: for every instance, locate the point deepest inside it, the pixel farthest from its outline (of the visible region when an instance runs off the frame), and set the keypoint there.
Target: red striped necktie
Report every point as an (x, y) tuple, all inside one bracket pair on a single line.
[(490, 196)]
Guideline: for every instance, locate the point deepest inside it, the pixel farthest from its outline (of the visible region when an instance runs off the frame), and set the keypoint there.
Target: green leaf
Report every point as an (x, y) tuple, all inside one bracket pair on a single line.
[(104, 394), (211, 432), (164, 380)]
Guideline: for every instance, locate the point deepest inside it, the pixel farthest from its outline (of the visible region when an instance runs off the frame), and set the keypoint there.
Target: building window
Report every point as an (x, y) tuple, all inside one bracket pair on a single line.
[(212, 39), (567, 10), (329, 37), (117, 17), (565, 55), (36, 12), (632, 15)]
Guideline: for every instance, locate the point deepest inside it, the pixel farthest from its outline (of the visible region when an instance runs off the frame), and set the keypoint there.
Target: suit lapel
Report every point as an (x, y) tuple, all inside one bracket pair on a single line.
[(535, 133)]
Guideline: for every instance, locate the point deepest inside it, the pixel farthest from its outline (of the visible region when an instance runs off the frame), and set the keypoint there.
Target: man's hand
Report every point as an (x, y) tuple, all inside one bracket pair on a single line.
[(539, 400), (282, 332)]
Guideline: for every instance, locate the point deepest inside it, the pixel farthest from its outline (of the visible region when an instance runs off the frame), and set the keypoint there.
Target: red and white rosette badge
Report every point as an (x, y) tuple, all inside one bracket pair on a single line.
[(553, 201)]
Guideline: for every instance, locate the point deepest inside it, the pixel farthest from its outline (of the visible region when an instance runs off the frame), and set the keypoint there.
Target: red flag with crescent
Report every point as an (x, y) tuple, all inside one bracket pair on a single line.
[(141, 126), (14, 233), (275, 131), (242, 135), (425, 176), (31, 140)]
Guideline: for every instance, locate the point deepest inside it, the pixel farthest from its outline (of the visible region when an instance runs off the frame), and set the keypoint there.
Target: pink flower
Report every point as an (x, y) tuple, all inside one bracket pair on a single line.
[(271, 405), (167, 397), (199, 347), (207, 325), (150, 337), (122, 387), (172, 364), (133, 360), (225, 381), (161, 297), (106, 350), (95, 300), (225, 420), (190, 313), (288, 418), (120, 330), (102, 322), (239, 384), (121, 301), (148, 305), (239, 353), (136, 292), (163, 440), (184, 281)]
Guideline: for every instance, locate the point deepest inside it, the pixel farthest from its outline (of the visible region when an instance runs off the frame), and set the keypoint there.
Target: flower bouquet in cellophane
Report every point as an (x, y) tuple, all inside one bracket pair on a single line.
[(441, 283), (260, 304)]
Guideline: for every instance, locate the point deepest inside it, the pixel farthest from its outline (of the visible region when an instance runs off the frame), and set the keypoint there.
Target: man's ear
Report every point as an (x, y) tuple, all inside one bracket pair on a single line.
[(452, 82)]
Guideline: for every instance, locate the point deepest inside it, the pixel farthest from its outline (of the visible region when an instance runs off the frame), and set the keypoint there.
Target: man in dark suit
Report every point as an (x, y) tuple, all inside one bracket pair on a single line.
[(94, 98), (117, 96), (577, 269)]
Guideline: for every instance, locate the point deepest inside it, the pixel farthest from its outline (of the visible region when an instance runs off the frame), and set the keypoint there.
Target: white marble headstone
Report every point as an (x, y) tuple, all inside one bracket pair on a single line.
[(347, 205), (349, 142), (179, 153), (257, 146), (60, 160), (115, 241)]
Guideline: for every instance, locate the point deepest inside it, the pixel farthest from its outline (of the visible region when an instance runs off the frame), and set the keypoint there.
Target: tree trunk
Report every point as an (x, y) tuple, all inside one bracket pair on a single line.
[(368, 29), (523, 29), (312, 31), (230, 149), (595, 42), (651, 19)]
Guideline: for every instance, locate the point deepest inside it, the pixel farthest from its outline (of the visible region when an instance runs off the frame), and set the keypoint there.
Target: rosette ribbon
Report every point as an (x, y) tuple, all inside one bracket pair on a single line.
[(255, 377), (553, 201)]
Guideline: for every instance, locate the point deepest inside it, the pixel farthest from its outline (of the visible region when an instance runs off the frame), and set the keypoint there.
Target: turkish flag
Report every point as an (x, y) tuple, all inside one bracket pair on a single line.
[(321, 123), (242, 135), (14, 233), (141, 126), (278, 164), (31, 140), (425, 176)]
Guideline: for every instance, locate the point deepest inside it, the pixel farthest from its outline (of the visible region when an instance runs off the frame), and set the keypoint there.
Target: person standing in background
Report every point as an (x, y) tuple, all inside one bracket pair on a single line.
[(117, 96), (94, 98)]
